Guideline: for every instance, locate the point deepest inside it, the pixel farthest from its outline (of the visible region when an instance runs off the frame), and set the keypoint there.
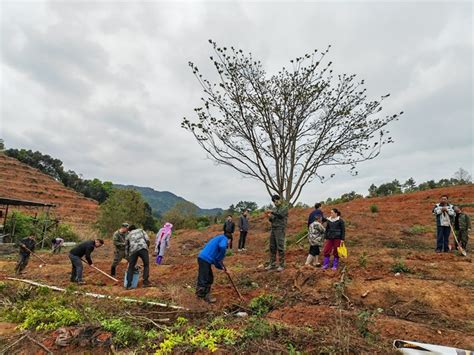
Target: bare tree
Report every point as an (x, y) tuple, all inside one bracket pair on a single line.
[(463, 176), (281, 129)]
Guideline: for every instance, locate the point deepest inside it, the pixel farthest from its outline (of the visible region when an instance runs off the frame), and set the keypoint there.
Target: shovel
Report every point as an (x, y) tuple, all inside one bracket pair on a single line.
[(461, 250), (232, 282), (99, 270)]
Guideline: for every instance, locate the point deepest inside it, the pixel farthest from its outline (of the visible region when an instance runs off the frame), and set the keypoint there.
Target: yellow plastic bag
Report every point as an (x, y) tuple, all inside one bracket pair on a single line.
[(342, 250)]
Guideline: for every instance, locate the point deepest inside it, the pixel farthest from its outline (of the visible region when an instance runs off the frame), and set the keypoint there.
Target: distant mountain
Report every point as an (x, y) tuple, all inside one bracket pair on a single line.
[(162, 201)]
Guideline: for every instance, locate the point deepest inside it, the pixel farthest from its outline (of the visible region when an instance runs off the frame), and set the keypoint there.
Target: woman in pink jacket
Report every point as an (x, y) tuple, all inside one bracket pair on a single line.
[(162, 241)]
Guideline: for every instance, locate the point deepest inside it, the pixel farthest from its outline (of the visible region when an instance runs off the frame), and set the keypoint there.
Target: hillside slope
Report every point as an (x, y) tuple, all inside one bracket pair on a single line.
[(20, 181), (360, 310), (163, 201)]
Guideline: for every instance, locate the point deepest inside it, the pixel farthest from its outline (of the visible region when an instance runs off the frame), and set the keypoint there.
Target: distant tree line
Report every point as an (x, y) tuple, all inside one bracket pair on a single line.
[(94, 188), (461, 177)]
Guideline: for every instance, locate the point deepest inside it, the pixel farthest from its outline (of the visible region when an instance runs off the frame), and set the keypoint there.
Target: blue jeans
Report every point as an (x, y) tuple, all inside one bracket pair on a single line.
[(442, 238), (76, 272)]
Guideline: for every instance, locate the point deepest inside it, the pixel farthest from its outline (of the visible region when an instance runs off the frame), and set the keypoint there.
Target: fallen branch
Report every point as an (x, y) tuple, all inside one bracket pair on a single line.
[(3, 351), (39, 344), (98, 295)]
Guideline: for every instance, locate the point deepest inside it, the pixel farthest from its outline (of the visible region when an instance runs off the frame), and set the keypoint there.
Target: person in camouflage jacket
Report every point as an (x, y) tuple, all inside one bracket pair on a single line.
[(137, 243), (278, 217), (462, 225), (119, 239)]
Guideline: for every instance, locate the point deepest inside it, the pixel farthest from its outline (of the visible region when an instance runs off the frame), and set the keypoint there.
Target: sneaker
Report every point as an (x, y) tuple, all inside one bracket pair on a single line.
[(81, 282), (239, 250), (147, 284), (280, 268), (438, 251), (318, 264), (269, 267), (243, 249)]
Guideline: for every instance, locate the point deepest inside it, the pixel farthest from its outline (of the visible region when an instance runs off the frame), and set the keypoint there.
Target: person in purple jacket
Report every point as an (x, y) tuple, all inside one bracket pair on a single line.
[(213, 253)]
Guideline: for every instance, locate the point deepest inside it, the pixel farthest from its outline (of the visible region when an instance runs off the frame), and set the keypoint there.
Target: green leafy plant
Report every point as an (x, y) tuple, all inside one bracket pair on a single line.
[(262, 304), (365, 319), (399, 266), (257, 328), (363, 258), (124, 333), (374, 208)]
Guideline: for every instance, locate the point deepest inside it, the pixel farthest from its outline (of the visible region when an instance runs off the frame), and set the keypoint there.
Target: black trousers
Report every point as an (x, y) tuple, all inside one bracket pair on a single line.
[(314, 250), (205, 278), (22, 262), (132, 262), (231, 237), (242, 239)]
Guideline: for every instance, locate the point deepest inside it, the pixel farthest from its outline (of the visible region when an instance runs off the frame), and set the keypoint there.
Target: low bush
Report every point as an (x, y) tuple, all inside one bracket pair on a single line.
[(124, 333), (400, 266), (262, 304), (374, 208)]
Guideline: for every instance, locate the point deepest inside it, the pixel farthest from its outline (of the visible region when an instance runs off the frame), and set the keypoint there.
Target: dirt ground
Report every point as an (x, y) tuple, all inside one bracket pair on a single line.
[(432, 303)]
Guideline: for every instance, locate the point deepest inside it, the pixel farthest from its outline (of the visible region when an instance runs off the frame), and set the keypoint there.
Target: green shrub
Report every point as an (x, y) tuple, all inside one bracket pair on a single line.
[(124, 333), (364, 319), (400, 266), (257, 328), (363, 260), (262, 304), (374, 208), (66, 232), (44, 314)]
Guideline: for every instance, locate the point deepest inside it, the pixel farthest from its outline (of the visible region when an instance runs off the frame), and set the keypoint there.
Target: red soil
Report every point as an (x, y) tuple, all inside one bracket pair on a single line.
[(432, 304), (20, 181)]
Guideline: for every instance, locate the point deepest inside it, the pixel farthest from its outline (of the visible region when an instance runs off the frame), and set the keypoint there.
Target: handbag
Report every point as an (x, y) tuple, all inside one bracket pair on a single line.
[(342, 250)]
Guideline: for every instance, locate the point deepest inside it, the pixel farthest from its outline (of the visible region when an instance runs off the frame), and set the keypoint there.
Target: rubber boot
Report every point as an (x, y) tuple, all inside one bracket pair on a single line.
[(326, 262), (159, 259), (112, 271), (309, 260), (335, 263)]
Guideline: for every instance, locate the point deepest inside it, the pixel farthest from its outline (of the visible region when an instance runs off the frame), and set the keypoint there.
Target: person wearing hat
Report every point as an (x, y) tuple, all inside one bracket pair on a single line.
[(278, 217), (119, 243)]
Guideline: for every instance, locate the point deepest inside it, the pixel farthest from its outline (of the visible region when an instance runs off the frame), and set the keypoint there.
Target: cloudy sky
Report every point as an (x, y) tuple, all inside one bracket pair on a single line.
[(103, 86)]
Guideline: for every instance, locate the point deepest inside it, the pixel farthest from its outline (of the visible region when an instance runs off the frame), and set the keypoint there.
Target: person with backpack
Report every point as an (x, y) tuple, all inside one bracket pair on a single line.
[(334, 235), (444, 213), (75, 255), (136, 246), (162, 241), (27, 245), (316, 232), (244, 229), (213, 253), (229, 229)]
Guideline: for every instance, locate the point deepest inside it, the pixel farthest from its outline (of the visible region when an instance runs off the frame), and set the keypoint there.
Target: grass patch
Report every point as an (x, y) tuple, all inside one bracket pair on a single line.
[(399, 266), (374, 208), (418, 229)]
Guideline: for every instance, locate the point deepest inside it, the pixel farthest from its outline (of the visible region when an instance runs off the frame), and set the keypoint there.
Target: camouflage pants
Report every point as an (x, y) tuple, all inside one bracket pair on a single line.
[(277, 243), (463, 238), (119, 254)]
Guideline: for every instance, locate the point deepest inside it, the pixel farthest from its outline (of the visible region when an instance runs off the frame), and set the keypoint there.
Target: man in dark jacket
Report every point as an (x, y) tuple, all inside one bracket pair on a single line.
[(244, 229), (27, 245), (76, 254), (315, 214), (229, 229), (119, 244), (278, 217), (213, 253)]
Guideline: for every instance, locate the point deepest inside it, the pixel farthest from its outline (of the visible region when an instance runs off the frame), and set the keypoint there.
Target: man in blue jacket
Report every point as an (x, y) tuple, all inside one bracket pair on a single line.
[(213, 253)]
